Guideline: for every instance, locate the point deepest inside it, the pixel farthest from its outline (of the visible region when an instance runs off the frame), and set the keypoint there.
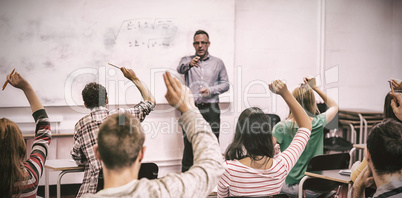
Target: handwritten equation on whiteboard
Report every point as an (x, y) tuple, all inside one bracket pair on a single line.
[(148, 33)]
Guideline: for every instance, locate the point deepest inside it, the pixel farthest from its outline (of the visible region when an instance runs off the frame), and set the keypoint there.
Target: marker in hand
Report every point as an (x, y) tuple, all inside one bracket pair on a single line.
[(195, 61), (392, 86), (5, 83), (114, 65)]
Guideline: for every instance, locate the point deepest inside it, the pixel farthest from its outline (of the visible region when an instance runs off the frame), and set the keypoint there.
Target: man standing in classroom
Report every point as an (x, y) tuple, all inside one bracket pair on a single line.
[(86, 130), (206, 77)]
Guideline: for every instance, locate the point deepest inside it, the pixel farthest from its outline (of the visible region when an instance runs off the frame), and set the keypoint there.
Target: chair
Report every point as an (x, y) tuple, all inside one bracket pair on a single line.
[(323, 162), (273, 119), (148, 170)]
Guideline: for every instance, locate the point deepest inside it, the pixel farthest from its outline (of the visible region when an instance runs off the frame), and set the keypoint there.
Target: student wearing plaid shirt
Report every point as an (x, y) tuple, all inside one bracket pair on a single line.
[(85, 132)]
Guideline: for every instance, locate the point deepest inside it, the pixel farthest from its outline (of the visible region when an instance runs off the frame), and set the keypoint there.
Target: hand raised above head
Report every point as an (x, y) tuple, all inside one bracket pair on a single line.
[(310, 81), (129, 73), (397, 84), (278, 87), (17, 81), (178, 95)]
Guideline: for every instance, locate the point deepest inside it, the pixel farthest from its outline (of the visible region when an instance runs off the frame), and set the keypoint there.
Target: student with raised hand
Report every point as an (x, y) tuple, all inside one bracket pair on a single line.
[(396, 84), (388, 113), (284, 132), (120, 149), (95, 98), (251, 168), (20, 177)]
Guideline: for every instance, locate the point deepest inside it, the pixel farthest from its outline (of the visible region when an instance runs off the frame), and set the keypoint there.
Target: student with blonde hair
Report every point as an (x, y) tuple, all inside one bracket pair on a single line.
[(20, 177), (251, 168), (284, 132)]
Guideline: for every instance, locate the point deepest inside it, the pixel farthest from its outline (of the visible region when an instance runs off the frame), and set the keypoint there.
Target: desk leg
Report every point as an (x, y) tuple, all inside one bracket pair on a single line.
[(59, 183), (46, 183), (59, 180)]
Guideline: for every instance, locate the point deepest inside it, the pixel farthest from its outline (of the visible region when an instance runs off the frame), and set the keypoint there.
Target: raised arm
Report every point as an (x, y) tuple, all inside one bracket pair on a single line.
[(36, 160), (298, 112), (299, 142), (145, 93), (397, 84), (203, 176), (332, 106), (17, 81)]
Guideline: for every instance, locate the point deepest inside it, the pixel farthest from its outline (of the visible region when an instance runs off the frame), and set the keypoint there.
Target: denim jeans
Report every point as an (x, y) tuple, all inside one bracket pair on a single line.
[(293, 191)]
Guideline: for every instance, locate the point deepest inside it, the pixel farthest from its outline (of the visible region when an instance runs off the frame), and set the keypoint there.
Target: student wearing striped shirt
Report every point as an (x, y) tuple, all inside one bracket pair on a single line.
[(20, 177), (284, 131), (251, 168)]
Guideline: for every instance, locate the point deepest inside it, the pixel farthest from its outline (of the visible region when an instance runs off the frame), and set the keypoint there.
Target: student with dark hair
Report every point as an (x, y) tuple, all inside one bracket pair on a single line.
[(251, 168), (284, 132), (85, 132), (120, 149), (384, 160), (388, 113), (397, 105), (207, 78), (19, 177)]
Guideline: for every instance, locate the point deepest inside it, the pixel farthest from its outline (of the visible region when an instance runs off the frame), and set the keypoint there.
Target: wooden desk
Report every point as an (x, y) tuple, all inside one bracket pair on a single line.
[(360, 146), (332, 175), (26, 136), (63, 165)]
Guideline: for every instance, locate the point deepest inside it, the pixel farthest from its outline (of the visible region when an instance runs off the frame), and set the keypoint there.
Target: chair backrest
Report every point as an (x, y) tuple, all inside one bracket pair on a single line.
[(329, 162), (325, 162), (148, 170), (273, 119), (337, 144)]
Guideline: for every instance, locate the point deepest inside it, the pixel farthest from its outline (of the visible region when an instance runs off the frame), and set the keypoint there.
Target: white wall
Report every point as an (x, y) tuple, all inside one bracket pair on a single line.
[(281, 40), (364, 40)]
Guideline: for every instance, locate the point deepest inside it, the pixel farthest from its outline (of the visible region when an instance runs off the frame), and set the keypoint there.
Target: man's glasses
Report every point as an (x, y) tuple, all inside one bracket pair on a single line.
[(202, 43)]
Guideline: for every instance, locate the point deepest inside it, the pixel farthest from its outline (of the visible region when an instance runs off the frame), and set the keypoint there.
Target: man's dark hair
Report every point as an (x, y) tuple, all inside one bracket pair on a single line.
[(201, 32), (94, 95), (120, 139), (385, 146)]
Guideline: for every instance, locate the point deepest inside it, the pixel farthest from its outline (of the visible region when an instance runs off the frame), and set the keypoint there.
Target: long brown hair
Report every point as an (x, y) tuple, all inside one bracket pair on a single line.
[(12, 155), (253, 136)]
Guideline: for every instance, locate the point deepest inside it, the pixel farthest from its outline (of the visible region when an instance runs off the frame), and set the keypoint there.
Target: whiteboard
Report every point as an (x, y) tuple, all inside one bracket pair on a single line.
[(59, 46)]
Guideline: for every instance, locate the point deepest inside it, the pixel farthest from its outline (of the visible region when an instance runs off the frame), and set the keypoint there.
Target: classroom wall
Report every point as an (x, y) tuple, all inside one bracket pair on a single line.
[(354, 47), (364, 39)]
